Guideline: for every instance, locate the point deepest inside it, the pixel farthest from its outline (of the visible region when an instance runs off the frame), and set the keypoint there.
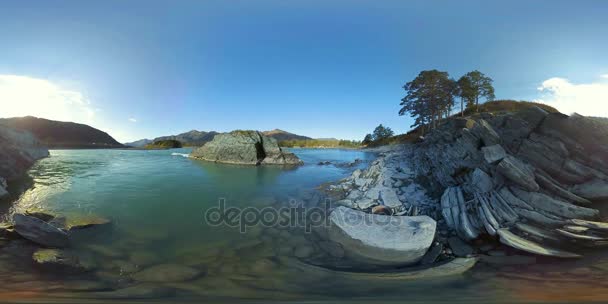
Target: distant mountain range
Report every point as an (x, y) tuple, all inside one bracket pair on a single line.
[(281, 135), (191, 138), (139, 143), (58, 134), (199, 138)]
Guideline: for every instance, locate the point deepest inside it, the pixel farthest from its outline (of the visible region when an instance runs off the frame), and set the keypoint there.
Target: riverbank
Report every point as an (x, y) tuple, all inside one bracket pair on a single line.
[(511, 184)]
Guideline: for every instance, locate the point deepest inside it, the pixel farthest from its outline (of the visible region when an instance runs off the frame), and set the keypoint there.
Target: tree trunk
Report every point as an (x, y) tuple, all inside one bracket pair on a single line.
[(462, 107)]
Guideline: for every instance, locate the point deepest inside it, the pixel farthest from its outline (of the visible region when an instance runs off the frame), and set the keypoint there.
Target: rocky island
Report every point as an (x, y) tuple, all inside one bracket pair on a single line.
[(245, 148)]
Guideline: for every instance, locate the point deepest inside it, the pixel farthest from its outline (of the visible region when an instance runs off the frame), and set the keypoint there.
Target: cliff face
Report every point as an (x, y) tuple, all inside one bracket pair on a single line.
[(529, 178), (18, 151), (58, 134), (245, 147)]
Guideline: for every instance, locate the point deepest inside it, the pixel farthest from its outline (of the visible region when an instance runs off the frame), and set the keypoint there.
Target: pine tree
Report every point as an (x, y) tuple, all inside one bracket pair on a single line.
[(430, 97)]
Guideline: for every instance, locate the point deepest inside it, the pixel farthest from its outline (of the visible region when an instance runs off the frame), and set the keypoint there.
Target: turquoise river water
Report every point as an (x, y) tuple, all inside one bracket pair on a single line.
[(157, 201)]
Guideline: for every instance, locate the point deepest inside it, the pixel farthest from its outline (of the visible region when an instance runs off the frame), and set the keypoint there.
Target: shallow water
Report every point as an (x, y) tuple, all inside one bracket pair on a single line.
[(157, 202)]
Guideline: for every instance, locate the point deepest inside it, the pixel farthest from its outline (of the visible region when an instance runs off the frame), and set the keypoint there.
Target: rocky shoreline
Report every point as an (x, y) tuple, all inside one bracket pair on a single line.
[(18, 152), (523, 183)]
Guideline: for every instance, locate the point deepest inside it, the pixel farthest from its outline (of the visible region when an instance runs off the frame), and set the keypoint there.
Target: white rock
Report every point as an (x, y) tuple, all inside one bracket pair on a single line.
[(365, 203), (373, 193), (381, 239), (361, 182), (389, 198), (354, 194), (346, 203)]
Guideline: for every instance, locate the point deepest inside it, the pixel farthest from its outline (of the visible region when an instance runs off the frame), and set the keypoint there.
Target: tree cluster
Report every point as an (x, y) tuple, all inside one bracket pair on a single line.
[(380, 133), (430, 96)]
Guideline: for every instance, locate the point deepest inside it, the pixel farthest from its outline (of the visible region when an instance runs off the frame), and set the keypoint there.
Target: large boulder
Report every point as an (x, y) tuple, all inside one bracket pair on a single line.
[(380, 239), (484, 130), (18, 151), (39, 231), (245, 147)]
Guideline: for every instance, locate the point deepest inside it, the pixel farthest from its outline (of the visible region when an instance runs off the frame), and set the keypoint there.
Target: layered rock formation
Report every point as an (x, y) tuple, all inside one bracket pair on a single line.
[(528, 178), (18, 151), (245, 147)]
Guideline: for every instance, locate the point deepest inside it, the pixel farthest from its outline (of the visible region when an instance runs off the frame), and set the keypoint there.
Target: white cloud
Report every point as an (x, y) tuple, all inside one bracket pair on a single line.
[(132, 119), (604, 76), (22, 96), (589, 99)]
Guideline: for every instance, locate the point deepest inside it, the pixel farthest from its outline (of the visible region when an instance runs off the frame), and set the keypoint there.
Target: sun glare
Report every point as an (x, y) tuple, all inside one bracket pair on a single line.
[(22, 96)]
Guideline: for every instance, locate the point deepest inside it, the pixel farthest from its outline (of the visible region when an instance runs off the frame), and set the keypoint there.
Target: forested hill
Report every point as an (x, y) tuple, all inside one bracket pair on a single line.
[(281, 135), (190, 138), (58, 134)]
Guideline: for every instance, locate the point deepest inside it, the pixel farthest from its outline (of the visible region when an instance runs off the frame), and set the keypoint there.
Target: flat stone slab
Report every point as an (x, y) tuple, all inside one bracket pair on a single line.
[(167, 273), (510, 239), (381, 239), (453, 267)]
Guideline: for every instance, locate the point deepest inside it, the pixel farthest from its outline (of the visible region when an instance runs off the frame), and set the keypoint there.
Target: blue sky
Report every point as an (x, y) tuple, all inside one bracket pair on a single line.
[(319, 68)]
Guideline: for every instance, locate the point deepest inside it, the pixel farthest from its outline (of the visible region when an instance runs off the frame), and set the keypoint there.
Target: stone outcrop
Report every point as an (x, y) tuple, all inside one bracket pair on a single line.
[(18, 152), (381, 239), (245, 147), (529, 179)]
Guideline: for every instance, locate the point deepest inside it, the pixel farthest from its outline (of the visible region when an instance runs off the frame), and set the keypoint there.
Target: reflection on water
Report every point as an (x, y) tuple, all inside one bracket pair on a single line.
[(156, 202)]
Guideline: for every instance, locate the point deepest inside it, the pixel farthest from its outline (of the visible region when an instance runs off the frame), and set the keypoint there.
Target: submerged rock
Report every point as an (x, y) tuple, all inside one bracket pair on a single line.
[(245, 147), (75, 221), (460, 248), (380, 239), (142, 291), (167, 273), (57, 258), (39, 231)]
